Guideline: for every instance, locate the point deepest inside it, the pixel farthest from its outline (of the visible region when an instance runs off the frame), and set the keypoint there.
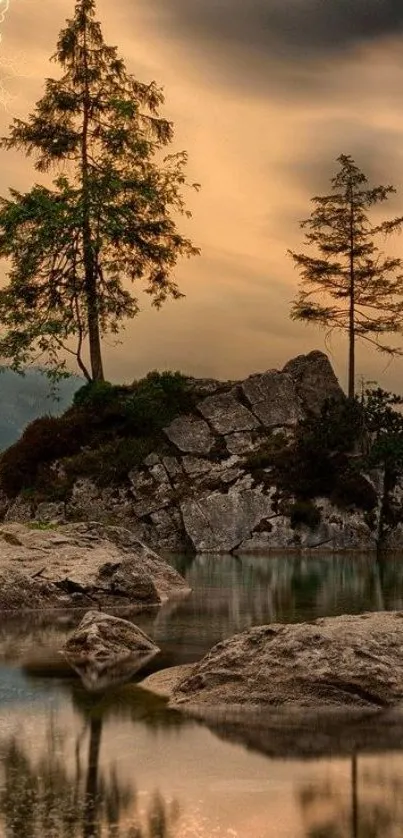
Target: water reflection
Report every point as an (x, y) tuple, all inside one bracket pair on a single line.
[(229, 594), (44, 801), (55, 795), (372, 807), (121, 765), (124, 766)]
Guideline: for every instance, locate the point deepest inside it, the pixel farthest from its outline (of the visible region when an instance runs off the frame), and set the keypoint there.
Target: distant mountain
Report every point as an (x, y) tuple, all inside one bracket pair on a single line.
[(23, 399)]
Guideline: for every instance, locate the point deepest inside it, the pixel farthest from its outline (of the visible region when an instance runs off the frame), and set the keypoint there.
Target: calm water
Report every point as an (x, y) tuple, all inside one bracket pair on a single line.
[(120, 765)]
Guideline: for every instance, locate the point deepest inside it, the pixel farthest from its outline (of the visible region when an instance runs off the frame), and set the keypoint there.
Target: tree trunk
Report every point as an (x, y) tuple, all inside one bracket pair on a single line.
[(93, 328), (90, 827), (355, 824), (91, 289), (351, 352), (351, 325)]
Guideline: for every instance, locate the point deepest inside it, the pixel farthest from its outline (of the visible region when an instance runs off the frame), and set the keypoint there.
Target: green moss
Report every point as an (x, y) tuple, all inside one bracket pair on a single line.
[(40, 525)]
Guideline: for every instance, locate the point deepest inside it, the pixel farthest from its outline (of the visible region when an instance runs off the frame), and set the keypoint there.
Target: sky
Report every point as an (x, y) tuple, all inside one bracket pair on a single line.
[(264, 96)]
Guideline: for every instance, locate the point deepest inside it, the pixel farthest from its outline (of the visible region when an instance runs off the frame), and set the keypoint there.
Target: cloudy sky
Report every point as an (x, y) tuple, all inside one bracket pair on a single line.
[(264, 94)]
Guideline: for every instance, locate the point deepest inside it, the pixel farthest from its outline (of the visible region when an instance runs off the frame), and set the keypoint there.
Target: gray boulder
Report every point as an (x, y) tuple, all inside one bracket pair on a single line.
[(273, 398), (226, 414), (338, 663), (105, 650), (190, 435), (22, 592), (80, 564), (219, 522), (315, 380), (123, 580)]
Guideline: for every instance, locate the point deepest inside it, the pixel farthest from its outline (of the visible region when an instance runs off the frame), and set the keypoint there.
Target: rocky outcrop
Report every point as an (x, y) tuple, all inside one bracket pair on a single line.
[(222, 521), (314, 381), (273, 398), (79, 565), (204, 489), (106, 650), (337, 663)]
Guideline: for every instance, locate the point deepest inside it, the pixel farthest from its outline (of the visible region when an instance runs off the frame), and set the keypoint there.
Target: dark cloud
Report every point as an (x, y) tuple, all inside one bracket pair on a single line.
[(306, 27)]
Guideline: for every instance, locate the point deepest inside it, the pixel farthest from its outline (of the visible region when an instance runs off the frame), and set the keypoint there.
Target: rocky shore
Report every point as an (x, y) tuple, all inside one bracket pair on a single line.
[(81, 565)]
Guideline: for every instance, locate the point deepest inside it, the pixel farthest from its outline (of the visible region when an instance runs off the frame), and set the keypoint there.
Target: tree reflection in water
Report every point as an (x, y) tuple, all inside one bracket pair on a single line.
[(52, 797), (373, 809)]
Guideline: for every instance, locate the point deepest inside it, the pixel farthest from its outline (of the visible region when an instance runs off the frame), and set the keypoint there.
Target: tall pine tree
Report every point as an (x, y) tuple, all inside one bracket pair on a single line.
[(110, 217), (350, 286)]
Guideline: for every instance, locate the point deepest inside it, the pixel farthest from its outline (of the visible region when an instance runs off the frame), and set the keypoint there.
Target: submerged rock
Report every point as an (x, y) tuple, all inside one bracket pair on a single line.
[(348, 662), (105, 650)]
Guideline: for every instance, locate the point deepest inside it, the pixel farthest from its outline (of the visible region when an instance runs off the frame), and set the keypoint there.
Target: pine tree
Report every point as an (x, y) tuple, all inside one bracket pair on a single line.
[(109, 219), (360, 289)]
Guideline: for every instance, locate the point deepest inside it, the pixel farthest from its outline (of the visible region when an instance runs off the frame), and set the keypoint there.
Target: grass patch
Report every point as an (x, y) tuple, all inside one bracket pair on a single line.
[(39, 525)]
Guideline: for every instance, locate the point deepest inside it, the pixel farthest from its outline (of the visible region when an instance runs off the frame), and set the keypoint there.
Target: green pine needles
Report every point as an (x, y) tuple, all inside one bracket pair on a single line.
[(350, 285), (110, 218)]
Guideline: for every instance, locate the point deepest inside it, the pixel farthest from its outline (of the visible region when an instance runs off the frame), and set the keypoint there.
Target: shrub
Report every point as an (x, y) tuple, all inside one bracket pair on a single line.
[(155, 401), (265, 456), (97, 394), (305, 512), (43, 441), (117, 424), (111, 463), (353, 489), (325, 459)]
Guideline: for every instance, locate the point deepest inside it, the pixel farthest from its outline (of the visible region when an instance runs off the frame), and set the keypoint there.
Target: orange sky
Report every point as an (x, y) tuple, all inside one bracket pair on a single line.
[(263, 107)]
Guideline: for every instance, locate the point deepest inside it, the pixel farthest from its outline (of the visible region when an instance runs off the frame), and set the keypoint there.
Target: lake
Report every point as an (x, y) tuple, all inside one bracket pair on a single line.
[(121, 765)]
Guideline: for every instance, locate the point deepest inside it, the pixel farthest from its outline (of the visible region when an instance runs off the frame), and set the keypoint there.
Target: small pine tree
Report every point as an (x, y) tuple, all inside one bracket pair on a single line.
[(361, 287), (108, 221)]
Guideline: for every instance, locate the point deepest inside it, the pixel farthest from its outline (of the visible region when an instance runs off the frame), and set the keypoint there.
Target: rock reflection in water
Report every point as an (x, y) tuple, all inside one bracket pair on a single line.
[(96, 677), (121, 765), (229, 594)]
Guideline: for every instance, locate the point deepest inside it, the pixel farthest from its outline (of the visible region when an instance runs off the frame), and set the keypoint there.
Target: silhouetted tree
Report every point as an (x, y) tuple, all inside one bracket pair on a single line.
[(108, 221), (360, 290)]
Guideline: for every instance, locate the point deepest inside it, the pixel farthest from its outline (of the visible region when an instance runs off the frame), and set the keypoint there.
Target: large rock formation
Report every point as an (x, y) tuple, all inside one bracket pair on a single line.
[(200, 489), (335, 663), (106, 650), (79, 565)]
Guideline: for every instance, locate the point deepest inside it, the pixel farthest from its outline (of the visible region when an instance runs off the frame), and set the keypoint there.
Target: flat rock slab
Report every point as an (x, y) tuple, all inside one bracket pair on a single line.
[(190, 435), (226, 414), (281, 732), (273, 398), (337, 663), (219, 522), (165, 681), (77, 564)]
